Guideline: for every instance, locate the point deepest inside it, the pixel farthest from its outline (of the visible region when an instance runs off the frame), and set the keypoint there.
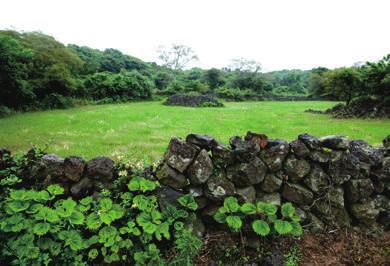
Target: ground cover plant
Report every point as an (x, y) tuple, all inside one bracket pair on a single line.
[(141, 130)]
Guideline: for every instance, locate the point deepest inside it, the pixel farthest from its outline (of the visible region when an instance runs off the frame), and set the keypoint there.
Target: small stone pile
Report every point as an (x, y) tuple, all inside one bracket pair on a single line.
[(333, 181), (193, 100)]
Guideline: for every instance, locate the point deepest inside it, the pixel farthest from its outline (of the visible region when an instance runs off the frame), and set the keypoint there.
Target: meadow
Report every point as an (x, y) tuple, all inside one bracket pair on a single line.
[(141, 130)]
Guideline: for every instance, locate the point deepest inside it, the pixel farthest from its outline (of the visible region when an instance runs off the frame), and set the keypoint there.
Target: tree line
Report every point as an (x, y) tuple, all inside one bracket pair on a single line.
[(38, 72)]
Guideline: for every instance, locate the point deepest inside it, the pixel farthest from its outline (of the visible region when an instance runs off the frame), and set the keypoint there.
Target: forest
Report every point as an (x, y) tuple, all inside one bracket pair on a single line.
[(38, 72)]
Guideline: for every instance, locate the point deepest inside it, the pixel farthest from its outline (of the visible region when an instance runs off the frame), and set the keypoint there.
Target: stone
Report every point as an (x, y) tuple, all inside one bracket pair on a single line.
[(196, 191), (384, 172), (302, 214), (83, 188), (180, 154), (244, 151), (331, 208), (366, 153), (273, 198), (74, 168), (320, 156), (202, 202), (299, 148), (379, 185), (386, 142), (246, 174), (315, 224), (274, 154), (100, 168), (358, 189), (201, 169), (197, 226), (335, 142), (276, 258), (343, 166), (365, 212), (271, 183), (317, 180), (219, 187), (297, 194), (52, 165), (247, 194), (167, 196), (202, 141), (168, 176), (310, 141), (221, 156), (296, 168), (382, 203), (260, 139)]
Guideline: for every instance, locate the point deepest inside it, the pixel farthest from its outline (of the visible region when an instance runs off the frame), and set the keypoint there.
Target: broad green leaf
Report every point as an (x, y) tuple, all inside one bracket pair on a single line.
[(231, 204), (18, 194), (41, 228), (188, 201), (261, 227), (105, 204), (93, 253), (288, 209), (283, 227), (76, 218), (270, 209), (220, 217), (55, 190), (18, 205), (93, 221), (162, 230), (296, 228), (248, 208), (234, 222)]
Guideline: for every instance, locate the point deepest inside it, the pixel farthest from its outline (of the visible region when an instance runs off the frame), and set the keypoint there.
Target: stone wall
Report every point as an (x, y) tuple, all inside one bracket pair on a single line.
[(333, 181)]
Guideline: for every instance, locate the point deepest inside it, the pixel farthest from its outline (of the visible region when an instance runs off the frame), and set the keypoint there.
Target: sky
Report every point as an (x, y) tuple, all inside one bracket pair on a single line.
[(280, 34)]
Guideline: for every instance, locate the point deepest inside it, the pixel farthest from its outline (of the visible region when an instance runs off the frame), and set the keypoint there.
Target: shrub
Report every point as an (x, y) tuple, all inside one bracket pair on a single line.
[(55, 100), (4, 111)]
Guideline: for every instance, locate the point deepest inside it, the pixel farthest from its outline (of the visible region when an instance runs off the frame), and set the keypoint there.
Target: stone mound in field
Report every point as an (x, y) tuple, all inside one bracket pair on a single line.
[(365, 107), (193, 100)]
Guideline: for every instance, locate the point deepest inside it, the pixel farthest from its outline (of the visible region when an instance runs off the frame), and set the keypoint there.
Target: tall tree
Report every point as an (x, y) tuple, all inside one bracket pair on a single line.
[(176, 57)]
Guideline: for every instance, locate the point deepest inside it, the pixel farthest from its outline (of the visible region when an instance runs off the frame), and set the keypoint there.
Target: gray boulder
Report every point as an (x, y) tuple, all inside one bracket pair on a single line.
[(343, 166), (296, 168), (335, 142), (299, 148), (201, 169), (382, 203), (247, 174), (74, 168), (271, 183), (365, 212), (273, 198), (180, 154), (52, 165), (366, 153), (202, 141), (168, 176), (297, 194), (219, 187), (315, 224), (317, 180), (83, 188), (358, 189), (247, 194), (167, 196), (243, 151), (274, 154), (221, 156), (386, 142), (320, 156), (100, 168), (310, 141)]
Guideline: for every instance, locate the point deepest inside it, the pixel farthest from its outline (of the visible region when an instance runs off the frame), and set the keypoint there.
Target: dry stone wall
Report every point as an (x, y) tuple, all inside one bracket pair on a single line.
[(333, 181)]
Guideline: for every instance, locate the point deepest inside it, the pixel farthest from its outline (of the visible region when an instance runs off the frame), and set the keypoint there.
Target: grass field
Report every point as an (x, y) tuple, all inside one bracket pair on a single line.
[(142, 130)]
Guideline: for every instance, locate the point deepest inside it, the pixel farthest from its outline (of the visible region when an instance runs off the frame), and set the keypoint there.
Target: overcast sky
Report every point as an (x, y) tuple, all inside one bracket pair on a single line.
[(281, 34)]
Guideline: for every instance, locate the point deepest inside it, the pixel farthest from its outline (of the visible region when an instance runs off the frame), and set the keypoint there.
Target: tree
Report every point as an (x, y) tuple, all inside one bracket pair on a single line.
[(343, 83), (176, 57), (244, 65), (214, 78), (15, 90)]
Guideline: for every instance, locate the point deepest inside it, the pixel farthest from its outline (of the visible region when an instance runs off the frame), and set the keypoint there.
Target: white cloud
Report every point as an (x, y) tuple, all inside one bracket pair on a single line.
[(280, 34)]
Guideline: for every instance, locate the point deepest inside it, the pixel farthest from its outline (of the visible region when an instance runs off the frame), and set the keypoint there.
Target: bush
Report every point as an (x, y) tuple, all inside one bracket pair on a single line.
[(5, 111), (56, 101), (234, 94)]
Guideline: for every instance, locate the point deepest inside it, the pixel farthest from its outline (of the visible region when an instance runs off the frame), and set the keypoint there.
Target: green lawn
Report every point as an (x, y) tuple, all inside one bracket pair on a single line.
[(142, 130)]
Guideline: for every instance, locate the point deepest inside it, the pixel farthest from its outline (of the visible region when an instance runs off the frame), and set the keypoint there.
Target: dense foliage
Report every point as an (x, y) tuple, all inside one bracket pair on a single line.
[(347, 83), (41, 226), (38, 72)]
